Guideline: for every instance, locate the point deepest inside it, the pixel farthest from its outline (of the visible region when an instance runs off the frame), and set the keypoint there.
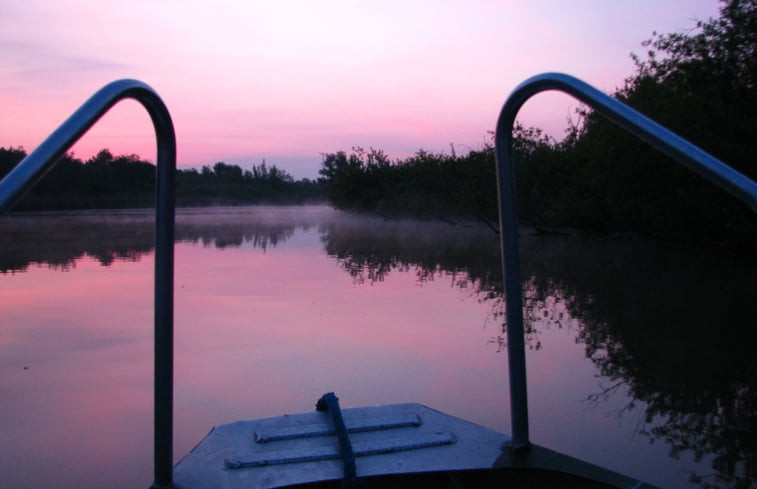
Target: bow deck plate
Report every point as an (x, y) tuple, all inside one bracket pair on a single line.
[(300, 448)]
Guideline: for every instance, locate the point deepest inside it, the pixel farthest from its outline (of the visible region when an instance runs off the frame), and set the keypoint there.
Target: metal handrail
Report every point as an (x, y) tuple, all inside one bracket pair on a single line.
[(32, 168), (627, 118)]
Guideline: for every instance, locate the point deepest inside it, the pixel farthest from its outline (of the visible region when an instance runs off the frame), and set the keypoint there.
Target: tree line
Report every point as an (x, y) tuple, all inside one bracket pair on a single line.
[(108, 181), (699, 83)]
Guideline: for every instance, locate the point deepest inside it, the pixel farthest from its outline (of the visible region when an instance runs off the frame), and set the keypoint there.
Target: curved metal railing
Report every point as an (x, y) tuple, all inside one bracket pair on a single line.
[(32, 168), (666, 141)]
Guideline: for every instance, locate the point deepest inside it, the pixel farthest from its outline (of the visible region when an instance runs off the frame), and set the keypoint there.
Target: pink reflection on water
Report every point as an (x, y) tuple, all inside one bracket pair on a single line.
[(289, 325), (75, 383), (257, 334), (261, 333)]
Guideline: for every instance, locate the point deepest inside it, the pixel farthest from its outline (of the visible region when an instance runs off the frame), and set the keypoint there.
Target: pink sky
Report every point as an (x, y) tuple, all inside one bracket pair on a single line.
[(287, 80)]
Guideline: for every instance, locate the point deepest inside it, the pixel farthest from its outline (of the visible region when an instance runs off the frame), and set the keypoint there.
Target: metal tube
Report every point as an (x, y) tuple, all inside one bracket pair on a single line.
[(646, 129), (165, 210), (516, 349), (46, 155)]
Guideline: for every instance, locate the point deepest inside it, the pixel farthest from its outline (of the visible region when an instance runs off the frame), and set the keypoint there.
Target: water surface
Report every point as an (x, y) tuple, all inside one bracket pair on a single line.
[(637, 359)]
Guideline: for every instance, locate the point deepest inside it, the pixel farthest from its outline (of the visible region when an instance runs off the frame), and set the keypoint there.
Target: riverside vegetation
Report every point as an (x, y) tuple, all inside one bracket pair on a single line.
[(700, 84), (107, 181)]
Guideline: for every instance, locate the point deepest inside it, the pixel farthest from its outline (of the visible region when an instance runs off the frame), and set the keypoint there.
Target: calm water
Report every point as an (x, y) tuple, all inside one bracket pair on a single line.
[(638, 353)]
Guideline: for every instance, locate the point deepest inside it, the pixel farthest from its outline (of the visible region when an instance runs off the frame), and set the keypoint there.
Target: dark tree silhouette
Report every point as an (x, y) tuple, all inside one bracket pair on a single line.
[(108, 181), (699, 83)]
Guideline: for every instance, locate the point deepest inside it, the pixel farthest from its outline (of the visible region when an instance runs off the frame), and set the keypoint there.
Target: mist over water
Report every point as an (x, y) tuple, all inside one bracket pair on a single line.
[(630, 342)]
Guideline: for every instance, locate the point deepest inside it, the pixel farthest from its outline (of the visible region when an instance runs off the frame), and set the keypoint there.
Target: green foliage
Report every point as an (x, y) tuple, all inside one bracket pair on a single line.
[(700, 84), (425, 184), (230, 185), (359, 180), (107, 181), (102, 181), (10, 157)]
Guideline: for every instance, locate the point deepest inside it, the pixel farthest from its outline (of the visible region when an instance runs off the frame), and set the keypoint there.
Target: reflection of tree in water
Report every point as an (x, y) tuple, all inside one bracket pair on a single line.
[(668, 323), (467, 255), (260, 227), (370, 248), (59, 240), (222, 237)]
